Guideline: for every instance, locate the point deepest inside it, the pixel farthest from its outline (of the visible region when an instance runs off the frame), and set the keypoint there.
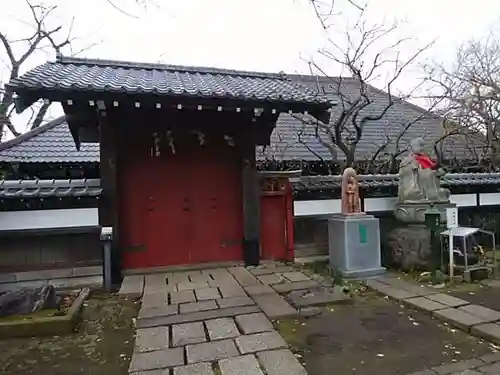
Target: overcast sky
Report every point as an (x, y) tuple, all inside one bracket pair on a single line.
[(263, 35)]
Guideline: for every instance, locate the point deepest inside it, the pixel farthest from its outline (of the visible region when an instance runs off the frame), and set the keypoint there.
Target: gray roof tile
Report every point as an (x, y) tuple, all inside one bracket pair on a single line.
[(76, 74), (10, 189), (49, 143)]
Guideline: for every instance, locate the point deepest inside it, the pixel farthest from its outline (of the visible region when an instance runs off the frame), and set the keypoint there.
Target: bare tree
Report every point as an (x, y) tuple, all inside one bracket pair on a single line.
[(470, 91), (364, 52), (46, 35), (144, 4)]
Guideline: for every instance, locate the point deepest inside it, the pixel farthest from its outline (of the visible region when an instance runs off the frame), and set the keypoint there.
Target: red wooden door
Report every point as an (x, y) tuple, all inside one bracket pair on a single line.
[(273, 227)]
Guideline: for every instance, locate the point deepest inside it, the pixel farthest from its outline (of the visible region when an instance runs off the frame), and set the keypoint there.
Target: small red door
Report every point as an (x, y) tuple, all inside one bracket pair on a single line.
[(273, 227)]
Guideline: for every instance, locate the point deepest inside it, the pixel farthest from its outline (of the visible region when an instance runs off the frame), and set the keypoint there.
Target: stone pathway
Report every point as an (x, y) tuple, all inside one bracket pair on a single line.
[(477, 320), (218, 321)]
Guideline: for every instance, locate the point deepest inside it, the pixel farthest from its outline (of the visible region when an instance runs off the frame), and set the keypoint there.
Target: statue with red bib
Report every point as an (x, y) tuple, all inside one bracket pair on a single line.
[(419, 177)]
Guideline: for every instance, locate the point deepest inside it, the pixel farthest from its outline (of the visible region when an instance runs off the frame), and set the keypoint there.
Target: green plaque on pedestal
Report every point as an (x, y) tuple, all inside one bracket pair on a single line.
[(363, 236)]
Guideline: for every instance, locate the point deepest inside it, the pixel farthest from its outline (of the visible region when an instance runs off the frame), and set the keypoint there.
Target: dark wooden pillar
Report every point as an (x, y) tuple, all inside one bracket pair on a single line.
[(251, 203), (108, 207)]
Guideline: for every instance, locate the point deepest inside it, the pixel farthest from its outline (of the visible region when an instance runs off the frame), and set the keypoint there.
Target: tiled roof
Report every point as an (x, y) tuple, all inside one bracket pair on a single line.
[(77, 74), (49, 143), (388, 180), (49, 188)]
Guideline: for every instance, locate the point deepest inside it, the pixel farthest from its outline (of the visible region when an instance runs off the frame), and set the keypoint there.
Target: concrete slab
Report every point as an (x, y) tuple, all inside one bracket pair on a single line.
[(255, 290), (155, 299), (488, 331), (223, 328), (234, 301), (188, 333), (196, 316), (243, 365), (156, 311), (490, 358), (243, 276), (156, 360), (197, 306), (211, 351), (260, 342), (274, 306), (271, 279), (207, 294), (458, 367), (424, 304), (254, 323), (132, 286), (458, 318), (447, 300), (492, 369), (318, 297), (297, 285), (188, 285), (389, 291), (488, 315), (280, 362), (182, 296), (231, 290), (196, 369), (266, 270), (149, 339), (199, 277), (412, 287), (296, 276)]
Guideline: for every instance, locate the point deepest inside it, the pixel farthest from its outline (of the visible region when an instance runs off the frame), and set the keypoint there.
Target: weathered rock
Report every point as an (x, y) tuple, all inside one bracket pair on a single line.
[(409, 247), (27, 300), (310, 312)]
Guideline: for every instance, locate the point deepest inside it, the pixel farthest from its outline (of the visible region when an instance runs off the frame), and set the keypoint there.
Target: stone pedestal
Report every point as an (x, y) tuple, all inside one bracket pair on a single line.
[(354, 245), (410, 247)]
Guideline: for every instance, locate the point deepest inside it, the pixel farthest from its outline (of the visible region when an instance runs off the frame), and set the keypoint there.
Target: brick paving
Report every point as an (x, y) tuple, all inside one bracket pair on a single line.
[(474, 319), (218, 321)]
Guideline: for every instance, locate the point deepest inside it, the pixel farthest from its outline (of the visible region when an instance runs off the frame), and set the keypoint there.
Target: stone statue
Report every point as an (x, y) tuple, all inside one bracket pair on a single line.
[(350, 192), (419, 177)]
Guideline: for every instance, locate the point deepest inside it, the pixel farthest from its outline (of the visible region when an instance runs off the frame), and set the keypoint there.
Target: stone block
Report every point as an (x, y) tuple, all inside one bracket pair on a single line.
[(156, 311), (412, 287), (149, 339), (271, 279), (280, 362), (243, 276), (234, 301), (447, 300), (255, 290), (274, 306), (259, 342), (188, 285), (199, 277), (254, 323), (266, 270), (155, 299), (158, 359), (188, 333), (297, 285), (178, 277), (206, 294), (296, 276), (183, 296), (318, 297), (196, 316), (458, 318), (491, 369), (196, 369), (197, 306), (490, 358), (223, 328), (390, 291), (211, 351), (243, 365), (488, 315), (132, 286), (488, 331), (424, 304), (457, 366), (231, 290)]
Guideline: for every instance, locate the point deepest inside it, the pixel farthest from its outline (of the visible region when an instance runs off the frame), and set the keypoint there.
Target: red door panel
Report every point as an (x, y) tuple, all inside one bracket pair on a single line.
[(273, 228)]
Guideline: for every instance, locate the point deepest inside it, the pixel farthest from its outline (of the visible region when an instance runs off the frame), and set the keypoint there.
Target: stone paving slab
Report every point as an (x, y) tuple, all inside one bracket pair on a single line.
[(199, 278), (190, 307), (419, 290), (178, 277), (271, 279), (493, 369), (243, 365), (447, 300), (196, 316), (188, 333), (390, 291), (259, 342), (211, 351), (164, 371), (149, 339), (458, 366), (223, 328), (424, 304), (132, 286), (196, 369), (188, 285), (155, 299), (490, 358), (274, 306), (243, 276), (297, 285), (280, 362), (488, 331), (232, 290), (296, 276), (206, 294), (266, 270), (254, 323), (155, 311), (183, 296), (255, 290), (458, 318), (488, 315), (234, 301), (156, 360), (318, 297)]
